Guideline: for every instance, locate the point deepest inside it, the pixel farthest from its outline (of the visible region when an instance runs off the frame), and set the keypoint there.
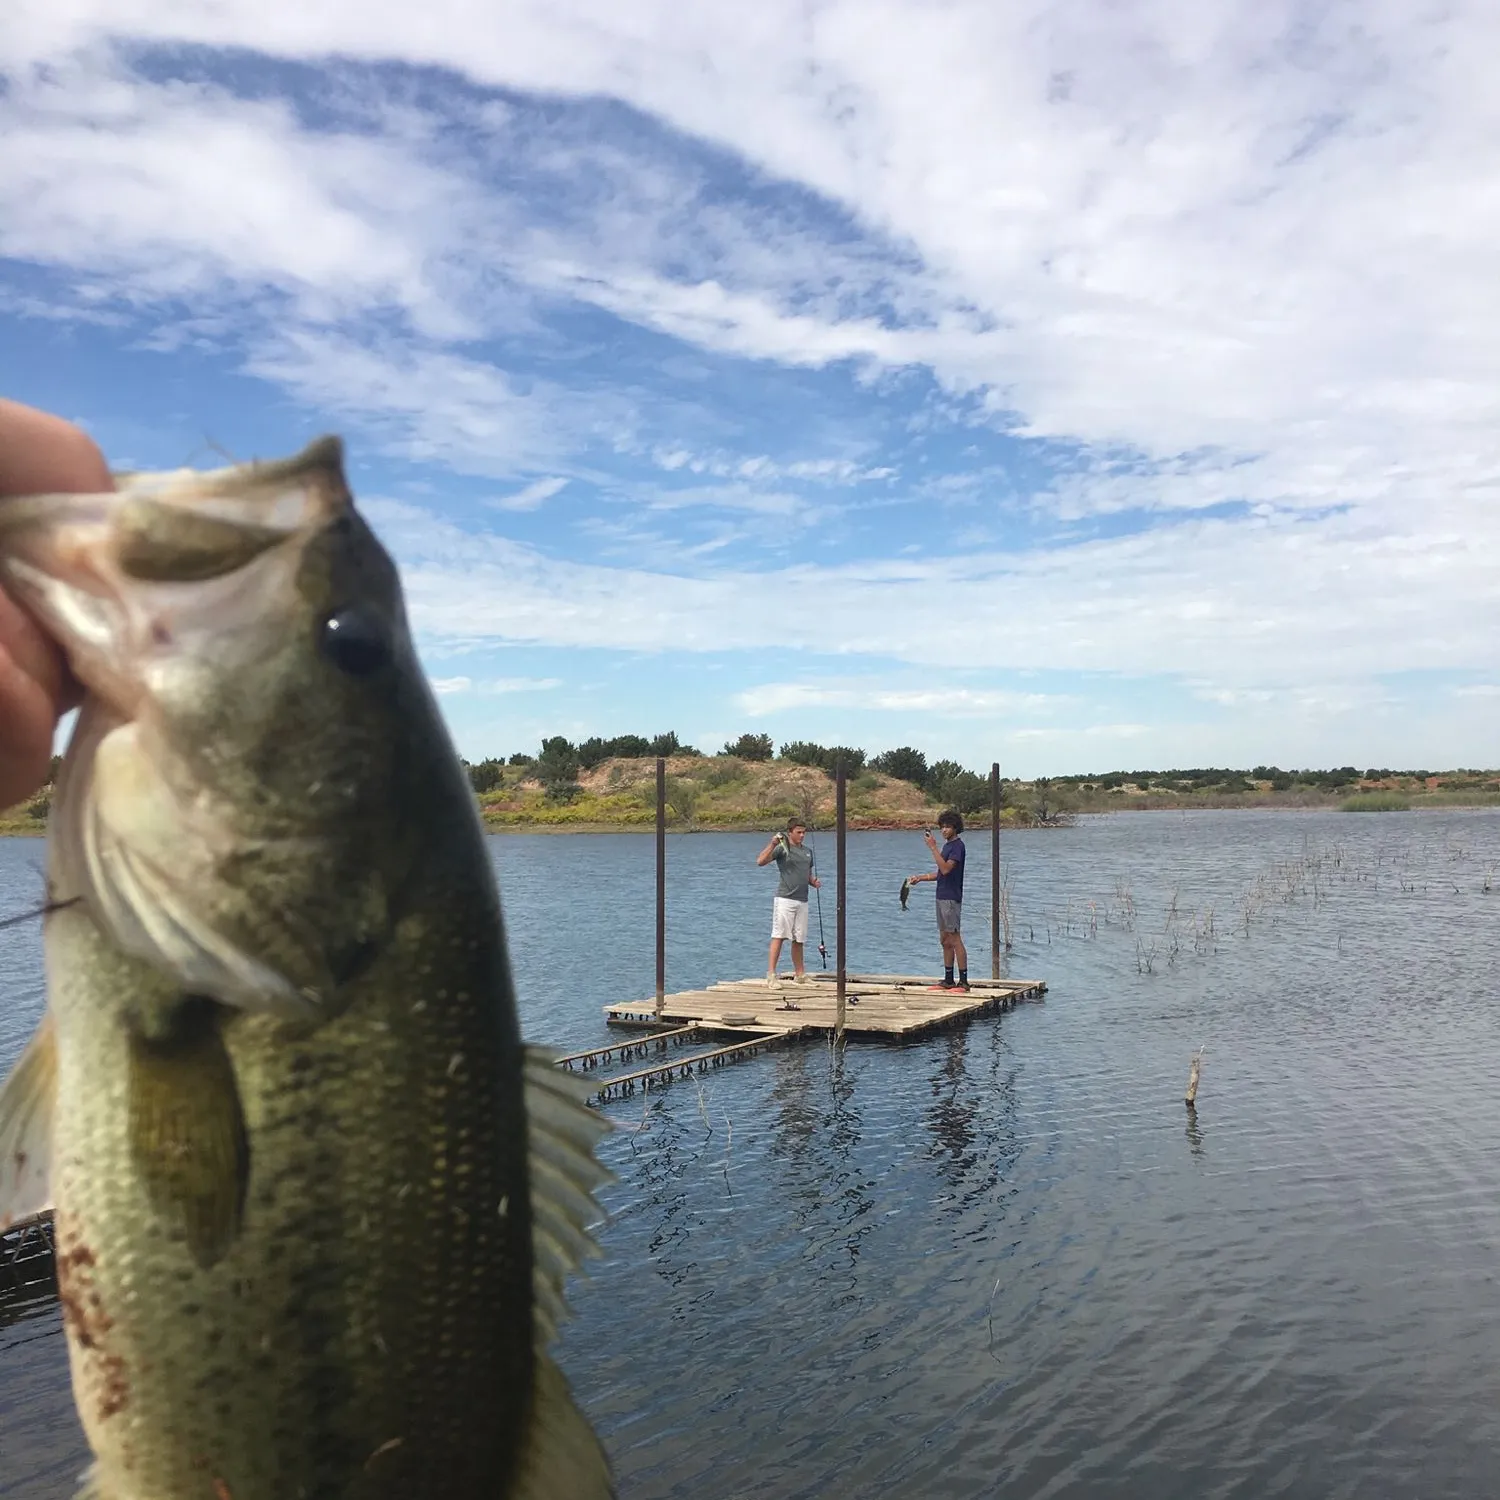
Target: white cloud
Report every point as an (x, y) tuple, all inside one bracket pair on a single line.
[(450, 686), (772, 698), (1264, 243), (1247, 229), (1219, 254), (1313, 603), (532, 497), (1480, 690), (429, 405), (520, 684)]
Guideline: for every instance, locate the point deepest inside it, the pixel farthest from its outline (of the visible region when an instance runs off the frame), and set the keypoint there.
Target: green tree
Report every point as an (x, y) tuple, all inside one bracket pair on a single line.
[(485, 775), (593, 752), (853, 759), (557, 765), (751, 747), (803, 753), (905, 764), (1049, 802), (966, 790)]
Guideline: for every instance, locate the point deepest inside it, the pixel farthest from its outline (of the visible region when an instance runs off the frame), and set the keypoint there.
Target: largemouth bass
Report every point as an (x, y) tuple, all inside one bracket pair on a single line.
[(315, 1202)]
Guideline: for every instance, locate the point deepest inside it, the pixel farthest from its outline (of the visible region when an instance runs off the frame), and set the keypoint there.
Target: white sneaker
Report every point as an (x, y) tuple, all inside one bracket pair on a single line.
[(802, 979), (770, 981)]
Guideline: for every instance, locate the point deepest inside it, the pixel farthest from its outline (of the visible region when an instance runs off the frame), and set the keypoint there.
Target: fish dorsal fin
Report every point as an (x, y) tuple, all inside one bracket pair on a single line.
[(561, 1133), (560, 1454), (27, 1100)]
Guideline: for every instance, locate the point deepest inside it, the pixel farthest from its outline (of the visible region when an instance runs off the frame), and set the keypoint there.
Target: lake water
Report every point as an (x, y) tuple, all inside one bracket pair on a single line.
[(1007, 1261)]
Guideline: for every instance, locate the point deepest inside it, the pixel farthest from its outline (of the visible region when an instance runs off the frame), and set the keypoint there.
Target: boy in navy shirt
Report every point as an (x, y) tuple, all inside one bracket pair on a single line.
[(949, 876)]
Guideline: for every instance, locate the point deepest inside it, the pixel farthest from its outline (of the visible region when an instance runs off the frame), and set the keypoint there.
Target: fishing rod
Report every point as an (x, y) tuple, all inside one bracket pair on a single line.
[(822, 944)]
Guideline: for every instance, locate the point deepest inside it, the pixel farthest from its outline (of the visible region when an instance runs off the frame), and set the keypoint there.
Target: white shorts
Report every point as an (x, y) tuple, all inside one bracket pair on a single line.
[(789, 919)]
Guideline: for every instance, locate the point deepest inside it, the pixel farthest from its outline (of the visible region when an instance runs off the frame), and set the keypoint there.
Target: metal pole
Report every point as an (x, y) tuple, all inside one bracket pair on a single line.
[(995, 870), (661, 884), (843, 865)]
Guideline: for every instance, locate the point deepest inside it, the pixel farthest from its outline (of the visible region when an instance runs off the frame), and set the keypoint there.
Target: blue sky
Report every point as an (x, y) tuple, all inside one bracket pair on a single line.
[(1075, 386)]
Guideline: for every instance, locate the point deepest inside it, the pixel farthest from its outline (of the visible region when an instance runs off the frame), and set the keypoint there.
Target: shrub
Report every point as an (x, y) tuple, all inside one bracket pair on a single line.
[(751, 747), (557, 765), (803, 753), (682, 798), (905, 764), (485, 775), (854, 760), (825, 757), (728, 772), (593, 752), (630, 747)]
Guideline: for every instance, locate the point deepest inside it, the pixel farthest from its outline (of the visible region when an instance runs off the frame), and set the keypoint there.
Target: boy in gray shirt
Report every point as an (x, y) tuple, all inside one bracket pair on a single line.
[(794, 861)]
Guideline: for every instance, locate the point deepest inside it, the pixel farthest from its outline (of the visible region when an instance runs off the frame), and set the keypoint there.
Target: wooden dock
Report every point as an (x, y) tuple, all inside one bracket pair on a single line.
[(738, 1018)]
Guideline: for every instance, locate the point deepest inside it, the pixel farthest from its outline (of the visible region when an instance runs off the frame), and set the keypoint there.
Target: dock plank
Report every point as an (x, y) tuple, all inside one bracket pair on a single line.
[(891, 1005)]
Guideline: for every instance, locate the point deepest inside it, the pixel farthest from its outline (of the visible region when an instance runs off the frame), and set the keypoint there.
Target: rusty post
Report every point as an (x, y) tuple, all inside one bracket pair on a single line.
[(661, 884), (995, 870), (839, 819)]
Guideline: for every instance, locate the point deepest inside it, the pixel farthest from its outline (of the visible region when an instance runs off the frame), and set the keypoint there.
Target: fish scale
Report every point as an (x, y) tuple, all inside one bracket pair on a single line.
[(315, 1201)]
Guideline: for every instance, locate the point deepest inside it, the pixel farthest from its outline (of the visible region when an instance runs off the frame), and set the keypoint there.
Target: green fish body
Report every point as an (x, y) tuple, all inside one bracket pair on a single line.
[(315, 1200)]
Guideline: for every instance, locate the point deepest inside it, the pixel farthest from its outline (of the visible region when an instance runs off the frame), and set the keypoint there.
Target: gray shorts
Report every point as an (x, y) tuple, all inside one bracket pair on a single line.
[(950, 914)]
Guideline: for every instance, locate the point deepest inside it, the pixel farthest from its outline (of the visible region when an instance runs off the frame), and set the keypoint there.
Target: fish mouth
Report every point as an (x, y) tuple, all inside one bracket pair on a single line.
[(119, 578), (148, 589)]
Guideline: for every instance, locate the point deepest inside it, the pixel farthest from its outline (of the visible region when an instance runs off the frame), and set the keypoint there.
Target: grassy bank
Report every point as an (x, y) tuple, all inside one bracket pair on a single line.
[(708, 792), (1376, 802)]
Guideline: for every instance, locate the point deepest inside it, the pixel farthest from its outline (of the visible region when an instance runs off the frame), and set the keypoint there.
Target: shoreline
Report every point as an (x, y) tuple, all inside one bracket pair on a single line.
[(26, 827)]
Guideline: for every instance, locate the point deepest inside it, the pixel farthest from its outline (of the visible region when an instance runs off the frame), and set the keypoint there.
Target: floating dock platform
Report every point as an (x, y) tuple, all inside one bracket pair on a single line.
[(738, 1018)]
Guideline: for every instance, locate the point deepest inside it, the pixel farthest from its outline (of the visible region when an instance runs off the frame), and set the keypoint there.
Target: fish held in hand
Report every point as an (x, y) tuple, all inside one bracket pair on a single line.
[(315, 1201)]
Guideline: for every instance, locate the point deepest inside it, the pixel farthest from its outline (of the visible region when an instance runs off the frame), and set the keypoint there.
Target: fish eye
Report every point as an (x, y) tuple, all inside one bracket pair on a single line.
[(355, 642)]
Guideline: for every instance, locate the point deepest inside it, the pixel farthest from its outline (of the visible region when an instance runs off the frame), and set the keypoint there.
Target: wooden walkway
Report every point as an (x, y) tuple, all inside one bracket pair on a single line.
[(698, 1030), (739, 1017)]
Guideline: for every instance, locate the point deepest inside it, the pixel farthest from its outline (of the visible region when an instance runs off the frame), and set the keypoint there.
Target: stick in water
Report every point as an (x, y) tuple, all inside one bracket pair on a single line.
[(1191, 1097)]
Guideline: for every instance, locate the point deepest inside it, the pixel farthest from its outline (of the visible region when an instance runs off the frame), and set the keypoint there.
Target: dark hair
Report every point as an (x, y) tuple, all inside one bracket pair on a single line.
[(951, 818), (792, 823)]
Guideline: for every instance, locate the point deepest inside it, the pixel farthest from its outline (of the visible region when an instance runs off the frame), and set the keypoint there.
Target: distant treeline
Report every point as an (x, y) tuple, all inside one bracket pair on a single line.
[(559, 762), (1202, 778)]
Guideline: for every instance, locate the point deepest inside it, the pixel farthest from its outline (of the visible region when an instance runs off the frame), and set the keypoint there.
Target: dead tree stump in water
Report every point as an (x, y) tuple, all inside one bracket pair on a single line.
[(1191, 1097)]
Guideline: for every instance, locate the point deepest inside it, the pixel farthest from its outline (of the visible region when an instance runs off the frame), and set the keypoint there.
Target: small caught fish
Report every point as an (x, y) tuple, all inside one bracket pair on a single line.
[(905, 893), (315, 1201)]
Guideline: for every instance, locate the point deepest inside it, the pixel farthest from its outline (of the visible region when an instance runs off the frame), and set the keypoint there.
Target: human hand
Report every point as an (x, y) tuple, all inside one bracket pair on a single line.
[(39, 454)]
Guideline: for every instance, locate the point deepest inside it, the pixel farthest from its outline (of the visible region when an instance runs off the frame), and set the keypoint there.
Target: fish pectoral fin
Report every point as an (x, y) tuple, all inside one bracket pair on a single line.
[(561, 1133), (27, 1102), (560, 1454), (187, 1129), (88, 1486)]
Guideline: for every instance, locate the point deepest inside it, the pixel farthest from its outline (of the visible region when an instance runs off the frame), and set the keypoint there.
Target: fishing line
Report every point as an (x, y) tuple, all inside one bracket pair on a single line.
[(40, 911), (822, 943)]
